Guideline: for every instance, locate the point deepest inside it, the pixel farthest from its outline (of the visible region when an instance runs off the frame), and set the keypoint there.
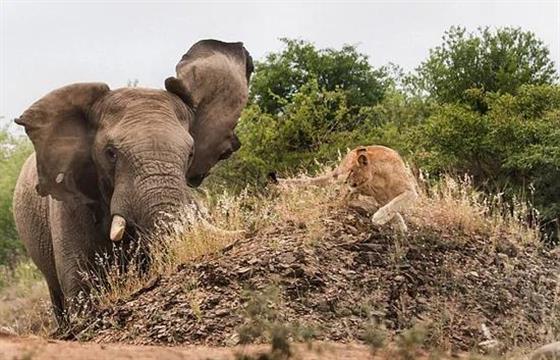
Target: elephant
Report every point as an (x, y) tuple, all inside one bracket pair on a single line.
[(108, 163)]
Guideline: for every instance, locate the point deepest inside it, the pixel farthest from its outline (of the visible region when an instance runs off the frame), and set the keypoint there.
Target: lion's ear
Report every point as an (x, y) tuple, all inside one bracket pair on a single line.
[(363, 160)]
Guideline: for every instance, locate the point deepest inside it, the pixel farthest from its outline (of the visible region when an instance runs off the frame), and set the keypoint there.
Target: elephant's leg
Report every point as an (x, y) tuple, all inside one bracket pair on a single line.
[(59, 310), (57, 301), (32, 222)]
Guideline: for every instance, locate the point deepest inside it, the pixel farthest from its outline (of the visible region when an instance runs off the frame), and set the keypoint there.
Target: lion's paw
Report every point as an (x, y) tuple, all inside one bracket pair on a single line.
[(381, 217)]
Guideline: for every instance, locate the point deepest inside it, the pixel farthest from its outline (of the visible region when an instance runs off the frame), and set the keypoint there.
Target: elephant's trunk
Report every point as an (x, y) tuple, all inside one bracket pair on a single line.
[(160, 196), (149, 184)]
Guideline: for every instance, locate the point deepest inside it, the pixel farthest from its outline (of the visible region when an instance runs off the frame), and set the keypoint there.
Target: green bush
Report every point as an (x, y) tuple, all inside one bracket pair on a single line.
[(13, 152), (306, 104), (490, 61), (317, 126), (282, 74), (313, 120), (513, 148)]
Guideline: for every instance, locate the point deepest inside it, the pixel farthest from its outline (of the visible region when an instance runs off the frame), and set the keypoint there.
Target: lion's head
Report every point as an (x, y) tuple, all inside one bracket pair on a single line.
[(360, 172)]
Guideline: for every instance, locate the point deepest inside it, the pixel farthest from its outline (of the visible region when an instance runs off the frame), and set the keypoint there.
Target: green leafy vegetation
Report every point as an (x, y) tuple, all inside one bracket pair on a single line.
[(499, 60), (281, 75), (13, 152)]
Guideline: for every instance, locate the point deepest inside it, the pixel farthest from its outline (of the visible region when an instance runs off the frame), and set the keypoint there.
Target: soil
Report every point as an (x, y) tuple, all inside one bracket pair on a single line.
[(341, 286), (23, 348)]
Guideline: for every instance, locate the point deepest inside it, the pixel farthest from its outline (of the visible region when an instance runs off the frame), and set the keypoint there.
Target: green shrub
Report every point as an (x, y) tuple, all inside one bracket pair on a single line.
[(513, 148), (498, 60), (281, 75), (13, 152)]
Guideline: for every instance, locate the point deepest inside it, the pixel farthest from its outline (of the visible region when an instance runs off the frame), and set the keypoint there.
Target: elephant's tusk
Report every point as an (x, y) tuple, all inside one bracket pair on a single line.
[(217, 230), (117, 228)]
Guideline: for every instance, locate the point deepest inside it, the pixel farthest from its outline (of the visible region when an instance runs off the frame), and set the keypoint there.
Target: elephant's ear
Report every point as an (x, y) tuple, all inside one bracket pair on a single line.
[(62, 132), (212, 70), (213, 79)]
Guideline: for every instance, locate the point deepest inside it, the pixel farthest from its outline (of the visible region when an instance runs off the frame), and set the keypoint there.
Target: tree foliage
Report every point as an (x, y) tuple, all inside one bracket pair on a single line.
[(13, 152), (280, 76), (515, 146), (491, 60)]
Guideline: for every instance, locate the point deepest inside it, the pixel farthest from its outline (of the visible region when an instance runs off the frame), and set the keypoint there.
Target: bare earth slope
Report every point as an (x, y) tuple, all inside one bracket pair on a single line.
[(339, 283), (13, 348)]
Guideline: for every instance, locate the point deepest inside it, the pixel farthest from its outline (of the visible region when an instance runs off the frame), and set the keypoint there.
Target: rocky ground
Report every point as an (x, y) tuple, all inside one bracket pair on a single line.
[(348, 284)]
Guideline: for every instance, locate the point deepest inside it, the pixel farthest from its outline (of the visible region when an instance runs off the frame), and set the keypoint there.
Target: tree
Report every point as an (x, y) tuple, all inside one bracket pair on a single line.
[(490, 61), (13, 152), (514, 147), (282, 74)]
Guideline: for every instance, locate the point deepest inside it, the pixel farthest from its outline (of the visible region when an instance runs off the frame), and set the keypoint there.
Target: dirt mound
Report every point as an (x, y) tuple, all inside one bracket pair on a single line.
[(337, 285)]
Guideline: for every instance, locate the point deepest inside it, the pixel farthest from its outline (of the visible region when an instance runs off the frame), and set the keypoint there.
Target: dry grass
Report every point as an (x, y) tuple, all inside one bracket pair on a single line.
[(24, 301), (454, 204), (185, 238)]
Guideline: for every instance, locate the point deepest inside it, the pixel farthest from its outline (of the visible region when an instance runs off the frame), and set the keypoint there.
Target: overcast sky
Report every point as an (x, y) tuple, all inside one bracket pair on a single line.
[(45, 45)]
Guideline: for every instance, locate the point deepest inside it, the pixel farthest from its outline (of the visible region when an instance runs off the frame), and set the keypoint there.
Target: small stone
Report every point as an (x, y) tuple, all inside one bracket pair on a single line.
[(232, 340), (6, 331), (253, 261), (222, 312), (352, 230), (472, 274), (489, 345), (243, 270)]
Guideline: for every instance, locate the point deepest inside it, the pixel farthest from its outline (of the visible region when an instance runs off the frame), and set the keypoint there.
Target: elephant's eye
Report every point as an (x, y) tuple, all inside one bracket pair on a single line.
[(111, 154), (226, 155)]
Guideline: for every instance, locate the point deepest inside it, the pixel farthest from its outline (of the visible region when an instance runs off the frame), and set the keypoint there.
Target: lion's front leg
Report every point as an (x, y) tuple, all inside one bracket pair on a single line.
[(383, 216), (390, 210), (400, 224)]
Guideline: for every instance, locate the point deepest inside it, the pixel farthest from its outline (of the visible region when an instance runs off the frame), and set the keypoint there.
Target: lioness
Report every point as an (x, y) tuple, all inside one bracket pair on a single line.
[(379, 175)]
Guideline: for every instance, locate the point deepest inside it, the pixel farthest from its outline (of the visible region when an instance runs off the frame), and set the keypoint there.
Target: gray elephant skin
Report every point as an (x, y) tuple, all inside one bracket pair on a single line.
[(108, 162)]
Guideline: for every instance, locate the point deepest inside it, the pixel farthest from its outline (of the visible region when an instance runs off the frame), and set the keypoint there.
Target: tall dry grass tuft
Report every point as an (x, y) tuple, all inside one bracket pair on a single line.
[(454, 204), (186, 237), (24, 300), (176, 240)]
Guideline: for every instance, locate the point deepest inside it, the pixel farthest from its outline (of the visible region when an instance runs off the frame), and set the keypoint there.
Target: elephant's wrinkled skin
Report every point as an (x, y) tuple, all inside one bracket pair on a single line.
[(129, 154)]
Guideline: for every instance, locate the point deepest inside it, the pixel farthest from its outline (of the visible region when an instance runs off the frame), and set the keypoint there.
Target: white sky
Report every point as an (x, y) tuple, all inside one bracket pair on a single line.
[(45, 45)]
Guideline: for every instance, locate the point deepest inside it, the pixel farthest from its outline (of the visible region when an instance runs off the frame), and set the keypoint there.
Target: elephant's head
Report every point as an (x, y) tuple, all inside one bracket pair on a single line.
[(213, 79), (129, 153)]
